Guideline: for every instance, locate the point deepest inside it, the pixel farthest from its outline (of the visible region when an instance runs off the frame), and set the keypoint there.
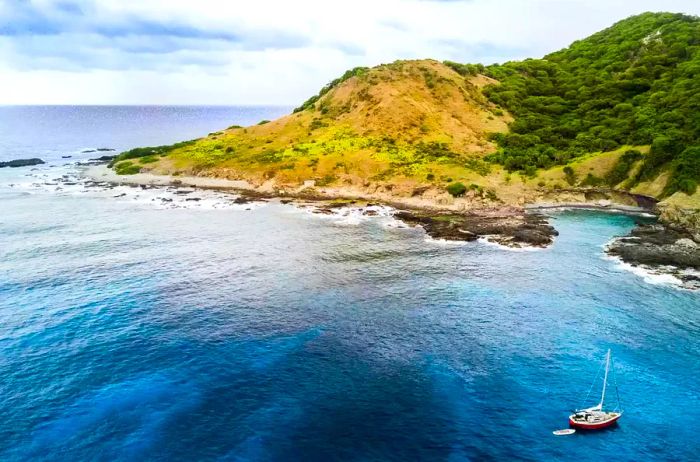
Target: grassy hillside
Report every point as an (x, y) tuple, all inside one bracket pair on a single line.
[(410, 121)]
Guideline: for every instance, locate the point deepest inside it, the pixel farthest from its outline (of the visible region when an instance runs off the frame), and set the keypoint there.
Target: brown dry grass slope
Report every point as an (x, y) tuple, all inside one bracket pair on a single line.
[(413, 122)]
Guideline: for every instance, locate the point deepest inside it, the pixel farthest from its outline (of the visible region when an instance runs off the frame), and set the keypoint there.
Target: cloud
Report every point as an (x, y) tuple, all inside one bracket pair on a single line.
[(266, 51)]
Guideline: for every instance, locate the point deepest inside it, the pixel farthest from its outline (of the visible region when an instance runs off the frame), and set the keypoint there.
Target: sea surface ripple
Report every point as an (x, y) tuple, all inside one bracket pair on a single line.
[(130, 330)]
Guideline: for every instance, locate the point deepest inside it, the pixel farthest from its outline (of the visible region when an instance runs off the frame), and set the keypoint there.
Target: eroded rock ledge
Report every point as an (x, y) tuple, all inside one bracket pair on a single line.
[(661, 248), (508, 226), (655, 244)]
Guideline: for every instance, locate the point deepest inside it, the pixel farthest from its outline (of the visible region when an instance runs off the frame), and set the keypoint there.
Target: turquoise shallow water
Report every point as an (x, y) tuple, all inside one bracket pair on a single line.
[(133, 331)]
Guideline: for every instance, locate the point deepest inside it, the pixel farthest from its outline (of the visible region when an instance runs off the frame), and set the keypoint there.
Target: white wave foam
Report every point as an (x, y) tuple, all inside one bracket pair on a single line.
[(656, 276), (393, 223), (444, 242), (667, 275), (355, 215), (66, 180), (352, 216), (489, 241)]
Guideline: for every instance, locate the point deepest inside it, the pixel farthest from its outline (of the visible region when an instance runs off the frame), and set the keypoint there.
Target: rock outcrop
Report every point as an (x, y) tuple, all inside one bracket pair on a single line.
[(657, 245), (507, 226), (22, 162)]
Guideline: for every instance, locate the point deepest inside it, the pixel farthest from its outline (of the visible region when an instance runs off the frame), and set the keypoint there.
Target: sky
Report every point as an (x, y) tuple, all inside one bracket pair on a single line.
[(266, 52)]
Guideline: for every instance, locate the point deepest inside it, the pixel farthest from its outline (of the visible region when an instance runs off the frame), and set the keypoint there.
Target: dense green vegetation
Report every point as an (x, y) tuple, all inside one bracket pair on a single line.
[(126, 168), (148, 153), (635, 83), (465, 69)]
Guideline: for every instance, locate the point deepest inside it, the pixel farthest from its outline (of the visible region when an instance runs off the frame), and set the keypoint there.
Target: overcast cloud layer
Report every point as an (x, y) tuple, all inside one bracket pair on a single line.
[(266, 51)]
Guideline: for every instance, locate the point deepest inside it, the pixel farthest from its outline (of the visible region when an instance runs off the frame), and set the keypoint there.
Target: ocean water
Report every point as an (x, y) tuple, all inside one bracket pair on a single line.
[(136, 328)]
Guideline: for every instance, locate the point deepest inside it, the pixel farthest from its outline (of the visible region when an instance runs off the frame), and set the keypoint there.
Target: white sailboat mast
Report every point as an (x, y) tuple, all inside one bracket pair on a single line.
[(605, 380)]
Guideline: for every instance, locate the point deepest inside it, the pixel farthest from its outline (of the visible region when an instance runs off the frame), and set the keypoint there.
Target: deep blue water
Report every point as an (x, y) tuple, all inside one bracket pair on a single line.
[(134, 332)]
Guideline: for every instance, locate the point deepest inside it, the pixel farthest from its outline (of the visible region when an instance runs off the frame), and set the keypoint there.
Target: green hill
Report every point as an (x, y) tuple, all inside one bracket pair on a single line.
[(635, 83), (618, 110)]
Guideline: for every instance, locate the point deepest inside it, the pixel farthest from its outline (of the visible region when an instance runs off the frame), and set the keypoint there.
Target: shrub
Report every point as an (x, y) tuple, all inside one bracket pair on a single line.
[(465, 69), (429, 151), (592, 180), (663, 150), (326, 180), (311, 102), (530, 171), (491, 195), (622, 167), (316, 124), (268, 157), (475, 187), (456, 189), (478, 165), (150, 150), (263, 122), (688, 186), (229, 149), (569, 175), (686, 172), (430, 176), (148, 159), (126, 168)]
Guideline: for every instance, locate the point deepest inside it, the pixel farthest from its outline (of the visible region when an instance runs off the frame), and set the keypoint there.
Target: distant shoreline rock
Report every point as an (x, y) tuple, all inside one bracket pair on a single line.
[(22, 162), (85, 151), (103, 159)]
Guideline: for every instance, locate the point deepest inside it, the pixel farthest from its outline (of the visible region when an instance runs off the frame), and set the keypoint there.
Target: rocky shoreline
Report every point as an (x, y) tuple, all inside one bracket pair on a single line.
[(657, 247), (661, 249), (652, 248), (509, 226)]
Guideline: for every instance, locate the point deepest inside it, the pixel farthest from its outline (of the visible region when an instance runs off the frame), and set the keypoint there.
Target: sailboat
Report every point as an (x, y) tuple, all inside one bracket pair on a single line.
[(597, 417)]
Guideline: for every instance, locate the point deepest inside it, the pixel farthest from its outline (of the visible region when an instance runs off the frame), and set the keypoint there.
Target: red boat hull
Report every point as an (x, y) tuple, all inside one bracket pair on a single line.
[(594, 426)]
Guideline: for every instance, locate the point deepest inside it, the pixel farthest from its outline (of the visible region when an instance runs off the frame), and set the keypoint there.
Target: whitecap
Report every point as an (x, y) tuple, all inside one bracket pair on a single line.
[(444, 242), (66, 180), (656, 276), (490, 241), (352, 215)]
